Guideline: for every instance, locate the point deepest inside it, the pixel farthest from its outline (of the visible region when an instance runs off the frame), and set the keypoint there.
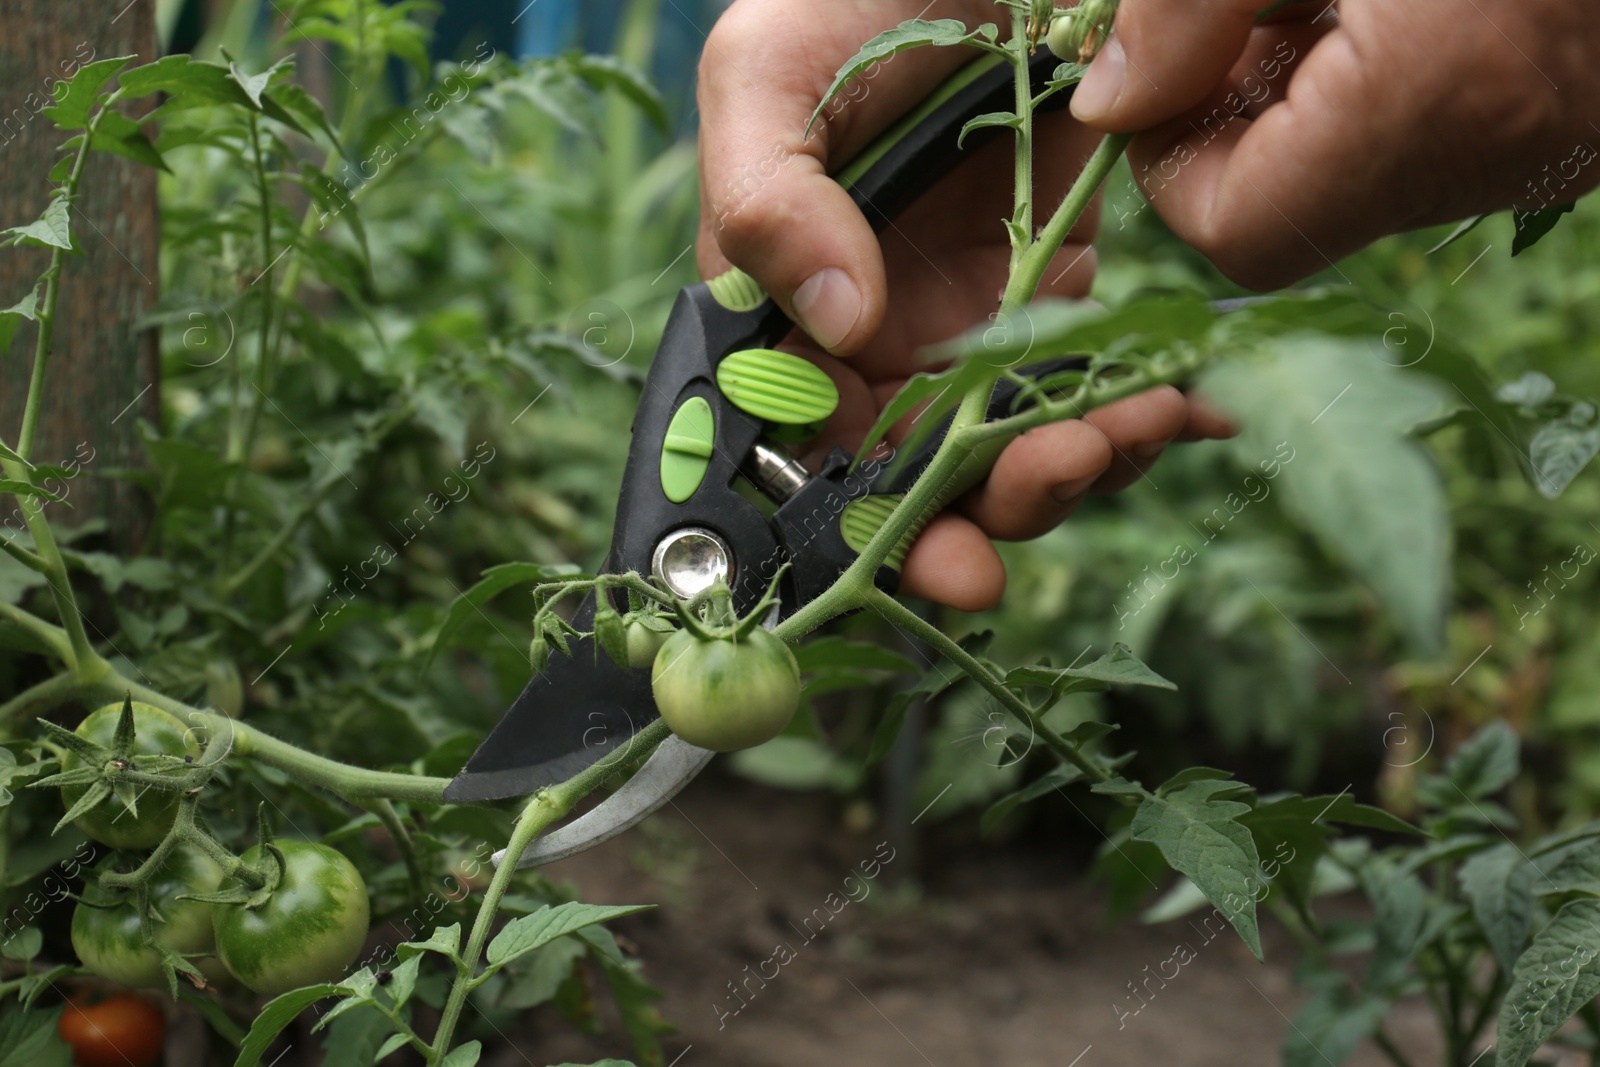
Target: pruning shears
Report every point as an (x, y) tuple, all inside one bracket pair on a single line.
[(710, 492)]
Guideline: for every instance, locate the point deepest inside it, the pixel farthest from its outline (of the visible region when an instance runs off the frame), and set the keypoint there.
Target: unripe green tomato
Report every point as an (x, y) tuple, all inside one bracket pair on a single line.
[(723, 694), (108, 939), (1061, 40), (155, 732), (643, 644), (310, 930)]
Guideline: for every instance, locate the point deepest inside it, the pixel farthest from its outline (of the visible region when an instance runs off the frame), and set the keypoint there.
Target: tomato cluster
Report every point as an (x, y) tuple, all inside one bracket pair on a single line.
[(309, 929)]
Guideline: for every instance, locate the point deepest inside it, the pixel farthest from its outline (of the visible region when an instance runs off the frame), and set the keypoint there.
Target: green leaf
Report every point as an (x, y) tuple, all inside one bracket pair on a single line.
[(1364, 489), (16, 488), (1497, 883), (521, 936), (278, 1013), (1400, 912), (75, 97), (1119, 667), (445, 940), (1201, 837), (23, 945), (463, 1055), (839, 653), (252, 84), (913, 33), (909, 34), (1559, 451), (52, 229), (537, 977), (357, 1037), (1008, 119), (1328, 1027), (1465, 227), (121, 136), (495, 580), (1558, 974), (1063, 775), (609, 72), (395, 1043), (30, 1039), (1531, 226), (10, 319), (1575, 868), (1486, 762), (797, 763)]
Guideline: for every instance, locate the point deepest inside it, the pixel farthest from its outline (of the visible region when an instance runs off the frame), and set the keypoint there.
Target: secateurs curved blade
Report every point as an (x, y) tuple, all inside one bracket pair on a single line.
[(710, 491)]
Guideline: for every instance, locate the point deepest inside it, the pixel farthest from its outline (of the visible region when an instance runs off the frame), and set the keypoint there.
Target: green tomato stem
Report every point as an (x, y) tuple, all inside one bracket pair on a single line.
[(903, 617), (1022, 215), (383, 808), (542, 809), (1029, 270)]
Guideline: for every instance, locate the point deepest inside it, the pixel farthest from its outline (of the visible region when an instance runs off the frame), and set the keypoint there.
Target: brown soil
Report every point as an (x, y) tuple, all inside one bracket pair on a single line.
[(987, 955)]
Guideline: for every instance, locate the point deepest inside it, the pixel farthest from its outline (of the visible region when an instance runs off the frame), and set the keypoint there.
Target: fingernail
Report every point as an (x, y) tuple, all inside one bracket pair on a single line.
[(1069, 492), (828, 305), (1100, 88)]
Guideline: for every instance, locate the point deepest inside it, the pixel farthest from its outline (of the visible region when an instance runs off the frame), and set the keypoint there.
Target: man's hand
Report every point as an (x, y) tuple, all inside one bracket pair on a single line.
[(769, 207), (1275, 150)]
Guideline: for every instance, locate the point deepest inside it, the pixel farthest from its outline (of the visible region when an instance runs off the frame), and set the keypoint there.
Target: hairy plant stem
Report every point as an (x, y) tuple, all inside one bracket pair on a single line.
[(899, 615), (1022, 214), (542, 809), (1029, 270), (383, 808)]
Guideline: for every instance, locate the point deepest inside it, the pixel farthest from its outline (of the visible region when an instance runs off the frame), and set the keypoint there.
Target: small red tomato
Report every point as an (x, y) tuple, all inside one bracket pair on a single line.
[(119, 1031)]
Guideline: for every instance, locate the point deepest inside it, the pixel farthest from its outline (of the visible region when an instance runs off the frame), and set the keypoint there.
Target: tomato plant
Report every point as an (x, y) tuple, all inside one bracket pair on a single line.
[(118, 1031), (318, 500)]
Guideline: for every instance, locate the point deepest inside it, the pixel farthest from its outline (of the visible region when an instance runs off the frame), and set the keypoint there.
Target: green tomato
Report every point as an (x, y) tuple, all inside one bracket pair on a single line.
[(155, 733), (310, 930), (723, 694), (643, 643), (106, 931), (1062, 40)]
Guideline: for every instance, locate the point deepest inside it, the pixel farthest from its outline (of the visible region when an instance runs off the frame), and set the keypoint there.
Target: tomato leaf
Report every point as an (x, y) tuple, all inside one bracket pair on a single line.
[(30, 1039), (1499, 887), (1008, 119), (609, 72), (1465, 227), (495, 580), (16, 488), (10, 319), (1200, 836), (52, 229), (1118, 667), (1486, 762), (1557, 975), (1533, 225), (445, 940), (1330, 1025), (521, 936), (913, 33), (838, 653), (463, 1055), (1560, 450), (76, 96), (1063, 775), (1360, 485), (278, 1013)]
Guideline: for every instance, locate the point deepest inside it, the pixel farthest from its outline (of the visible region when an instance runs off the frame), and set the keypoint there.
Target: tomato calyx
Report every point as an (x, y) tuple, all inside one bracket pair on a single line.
[(253, 884), (112, 770), (710, 615)]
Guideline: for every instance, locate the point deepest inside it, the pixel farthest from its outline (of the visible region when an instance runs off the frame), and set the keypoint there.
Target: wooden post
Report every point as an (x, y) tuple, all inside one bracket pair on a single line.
[(103, 372)]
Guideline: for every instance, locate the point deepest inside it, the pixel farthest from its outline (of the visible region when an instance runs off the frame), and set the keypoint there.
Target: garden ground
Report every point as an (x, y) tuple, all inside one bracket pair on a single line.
[(1004, 957)]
